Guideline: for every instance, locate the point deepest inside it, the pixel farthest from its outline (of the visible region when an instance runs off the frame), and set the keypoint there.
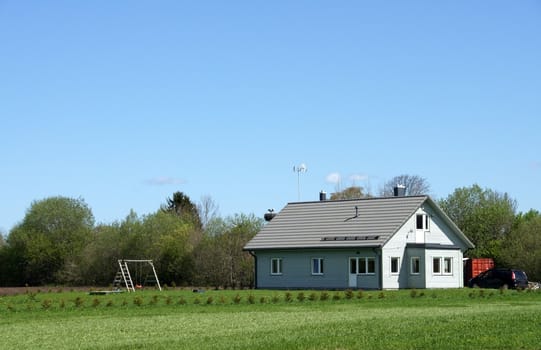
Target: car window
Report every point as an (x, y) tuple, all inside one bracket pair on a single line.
[(520, 275)]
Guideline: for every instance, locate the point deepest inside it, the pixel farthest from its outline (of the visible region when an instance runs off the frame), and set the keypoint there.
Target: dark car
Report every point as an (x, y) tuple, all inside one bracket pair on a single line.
[(500, 278)]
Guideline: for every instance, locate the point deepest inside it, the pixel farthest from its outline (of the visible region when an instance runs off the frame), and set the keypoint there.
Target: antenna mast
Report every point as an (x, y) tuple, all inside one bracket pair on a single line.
[(301, 168)]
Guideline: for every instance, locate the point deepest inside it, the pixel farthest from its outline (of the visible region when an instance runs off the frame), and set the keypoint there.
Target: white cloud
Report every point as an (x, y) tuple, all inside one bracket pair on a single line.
[(164, 181), (333, 178)]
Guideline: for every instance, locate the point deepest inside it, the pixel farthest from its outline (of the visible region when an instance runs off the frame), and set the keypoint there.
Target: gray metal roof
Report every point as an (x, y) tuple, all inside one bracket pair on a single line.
[(334, 224)]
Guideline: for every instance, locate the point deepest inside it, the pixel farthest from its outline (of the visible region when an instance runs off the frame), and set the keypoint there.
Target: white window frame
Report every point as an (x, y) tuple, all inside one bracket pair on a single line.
[(317, 266), (366, 270), (412, 270), (279, 266), (445, 264), (397, 259)]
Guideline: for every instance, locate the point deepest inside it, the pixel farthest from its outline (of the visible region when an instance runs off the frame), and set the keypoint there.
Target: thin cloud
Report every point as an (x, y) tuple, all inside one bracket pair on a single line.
[(164, 181), (333, 178), (358, 177)]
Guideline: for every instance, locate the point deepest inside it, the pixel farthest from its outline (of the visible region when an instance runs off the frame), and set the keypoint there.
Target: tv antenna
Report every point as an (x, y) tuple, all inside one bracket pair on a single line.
[(301, 168)]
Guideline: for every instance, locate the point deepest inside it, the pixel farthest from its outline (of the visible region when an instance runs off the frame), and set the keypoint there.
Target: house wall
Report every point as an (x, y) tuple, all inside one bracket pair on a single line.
[(441, 280), (416, 280), (438, 233), (297, 269)]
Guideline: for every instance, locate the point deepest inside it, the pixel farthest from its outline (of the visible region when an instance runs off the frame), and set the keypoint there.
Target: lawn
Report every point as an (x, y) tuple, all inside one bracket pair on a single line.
[(430, 319)]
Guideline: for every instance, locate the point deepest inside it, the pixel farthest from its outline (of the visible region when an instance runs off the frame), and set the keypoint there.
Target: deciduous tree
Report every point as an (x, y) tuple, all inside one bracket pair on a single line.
[(415, 185), (484, 215)]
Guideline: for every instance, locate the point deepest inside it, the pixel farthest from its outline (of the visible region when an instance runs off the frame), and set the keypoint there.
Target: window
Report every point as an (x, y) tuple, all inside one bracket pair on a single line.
[(442, 266), (317, 266), (395, 262), (447, 265), (422, 222), (366, 266), (415, 265), (436, 268), (276, 266)]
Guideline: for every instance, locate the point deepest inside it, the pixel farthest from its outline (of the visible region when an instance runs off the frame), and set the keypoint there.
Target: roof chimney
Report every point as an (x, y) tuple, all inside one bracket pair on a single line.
[(399, 190), (322, 196)]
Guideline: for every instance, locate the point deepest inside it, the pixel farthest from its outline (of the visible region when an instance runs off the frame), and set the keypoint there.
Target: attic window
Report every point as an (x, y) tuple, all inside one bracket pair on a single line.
[(422, 222)]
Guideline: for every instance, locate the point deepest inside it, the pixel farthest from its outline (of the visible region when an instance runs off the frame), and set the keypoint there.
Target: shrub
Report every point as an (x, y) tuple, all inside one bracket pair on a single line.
[(79, 302), (336, 296), (288, 297), (210, 300), (275, 299), (360, 294), (413, 293), (62, 303), (109, 303), (324, 296), (312, 297), (46, 303), (301, 297), (381, 295), (96, 302), (154, 300), (181, 301), (348, 294), (197, 301), (251, 299), (168, 300), (124, 302), (262, 300), (223, 300), (237, 299), (138, 300)]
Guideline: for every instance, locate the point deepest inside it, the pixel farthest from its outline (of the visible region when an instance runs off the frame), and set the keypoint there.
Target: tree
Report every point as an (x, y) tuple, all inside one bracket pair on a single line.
[(47, 244), (415, 185), (353, 192), (181, 205), (207, 209), (521, 248), (220, 260), (485, 216)]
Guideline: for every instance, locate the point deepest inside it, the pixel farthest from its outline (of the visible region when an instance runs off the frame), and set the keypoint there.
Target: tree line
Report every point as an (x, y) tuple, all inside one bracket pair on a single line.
[(58, 241)]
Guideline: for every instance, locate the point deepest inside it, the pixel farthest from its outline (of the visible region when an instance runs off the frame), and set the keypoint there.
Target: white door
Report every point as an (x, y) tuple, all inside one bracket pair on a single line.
[(353, 269)]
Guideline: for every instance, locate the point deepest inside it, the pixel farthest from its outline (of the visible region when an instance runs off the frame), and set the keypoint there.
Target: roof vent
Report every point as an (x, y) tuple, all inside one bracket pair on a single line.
[(269, 215), (322, 196), (399, 190)]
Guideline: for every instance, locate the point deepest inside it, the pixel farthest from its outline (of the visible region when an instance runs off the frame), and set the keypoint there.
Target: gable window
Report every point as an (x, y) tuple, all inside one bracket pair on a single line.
[(415, 265), (422, 222), (317, 266), (276, 266), (395, 262)]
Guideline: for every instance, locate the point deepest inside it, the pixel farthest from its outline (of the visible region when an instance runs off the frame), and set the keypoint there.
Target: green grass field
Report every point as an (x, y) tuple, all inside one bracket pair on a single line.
[(424, 319)]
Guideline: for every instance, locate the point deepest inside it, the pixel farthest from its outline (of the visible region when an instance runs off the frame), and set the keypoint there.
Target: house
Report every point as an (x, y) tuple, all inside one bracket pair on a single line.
[(371, 243)]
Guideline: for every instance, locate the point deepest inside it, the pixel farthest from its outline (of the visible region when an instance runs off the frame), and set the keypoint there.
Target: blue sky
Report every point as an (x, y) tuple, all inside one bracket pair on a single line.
[(123, 103)]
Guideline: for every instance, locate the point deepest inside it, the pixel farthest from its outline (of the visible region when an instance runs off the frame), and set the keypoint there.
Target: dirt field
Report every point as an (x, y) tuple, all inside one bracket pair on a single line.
[(23, 290)]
